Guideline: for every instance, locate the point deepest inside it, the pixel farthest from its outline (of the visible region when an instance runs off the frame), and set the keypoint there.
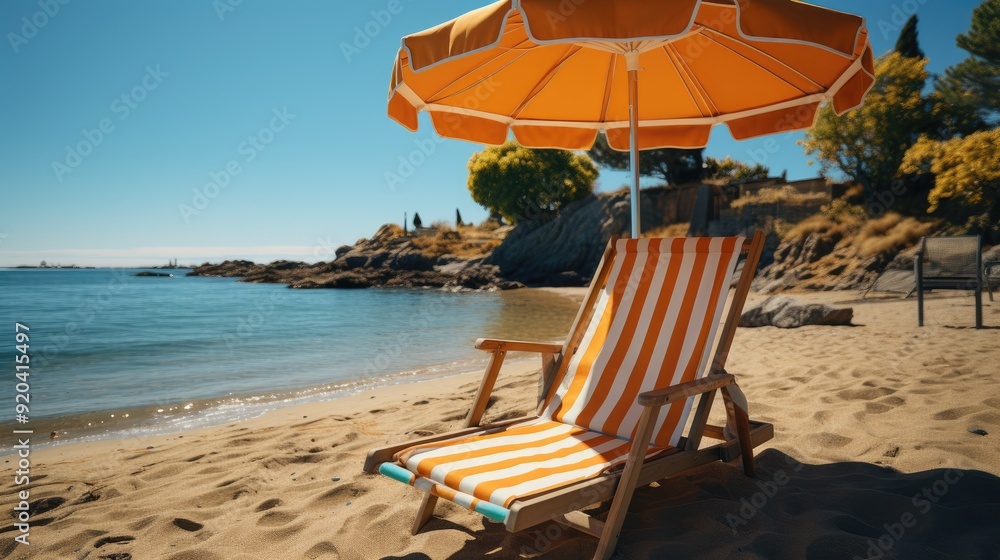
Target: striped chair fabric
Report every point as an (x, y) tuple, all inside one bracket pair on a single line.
[(654, 325)]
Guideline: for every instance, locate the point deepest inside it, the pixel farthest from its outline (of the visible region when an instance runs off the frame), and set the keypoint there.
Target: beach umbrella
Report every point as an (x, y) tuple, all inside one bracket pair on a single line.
[(648, 73)]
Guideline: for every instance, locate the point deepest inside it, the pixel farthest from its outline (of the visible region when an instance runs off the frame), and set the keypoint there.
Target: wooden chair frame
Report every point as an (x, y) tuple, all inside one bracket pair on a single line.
[(564, 504)]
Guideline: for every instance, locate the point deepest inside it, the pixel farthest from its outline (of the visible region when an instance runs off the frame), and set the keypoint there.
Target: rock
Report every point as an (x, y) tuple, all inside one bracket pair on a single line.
[(411, 259), (565, 250), (226, 269), (788, 313)]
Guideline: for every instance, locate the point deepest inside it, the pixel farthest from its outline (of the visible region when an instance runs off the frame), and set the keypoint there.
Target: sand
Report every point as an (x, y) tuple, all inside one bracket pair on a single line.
[(872, 457)]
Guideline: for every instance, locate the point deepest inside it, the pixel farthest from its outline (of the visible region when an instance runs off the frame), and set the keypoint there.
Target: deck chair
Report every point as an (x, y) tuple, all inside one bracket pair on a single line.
[(950, 263), (615, 401)]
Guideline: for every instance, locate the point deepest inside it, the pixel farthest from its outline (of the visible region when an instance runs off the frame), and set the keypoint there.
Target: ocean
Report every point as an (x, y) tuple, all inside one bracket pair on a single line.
[(117, 355)]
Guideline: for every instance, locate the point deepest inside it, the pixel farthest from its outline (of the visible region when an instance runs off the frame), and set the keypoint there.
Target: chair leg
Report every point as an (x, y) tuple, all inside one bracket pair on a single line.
[(920, 306), (424, 513), (627, 483), (740, 420), (979, 306), (746, 446)]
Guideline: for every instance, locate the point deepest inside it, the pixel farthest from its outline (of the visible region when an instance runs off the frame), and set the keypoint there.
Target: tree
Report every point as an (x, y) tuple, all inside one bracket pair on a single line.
[(976, 80), (733, 170), (675, 166), (868, 144), (965, 172), (522, 183), (908, 45)]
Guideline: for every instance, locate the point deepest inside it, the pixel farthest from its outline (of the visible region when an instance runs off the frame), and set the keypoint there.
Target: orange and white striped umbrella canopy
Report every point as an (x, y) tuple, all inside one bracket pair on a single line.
[(555, 72)]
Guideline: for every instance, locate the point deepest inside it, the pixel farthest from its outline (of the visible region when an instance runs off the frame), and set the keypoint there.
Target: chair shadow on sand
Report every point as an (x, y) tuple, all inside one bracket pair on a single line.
[(789, 511)]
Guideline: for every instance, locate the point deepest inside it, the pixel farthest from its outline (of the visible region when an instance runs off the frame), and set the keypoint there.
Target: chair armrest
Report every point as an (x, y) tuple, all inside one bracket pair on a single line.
[(661, 397), (493, 345)]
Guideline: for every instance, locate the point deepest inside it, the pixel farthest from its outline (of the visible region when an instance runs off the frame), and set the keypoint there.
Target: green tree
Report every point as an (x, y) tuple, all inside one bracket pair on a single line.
[(733, 170), (908, 45), (522, 183), (868, 144), (965, 170), (976, 80), (674, 166)]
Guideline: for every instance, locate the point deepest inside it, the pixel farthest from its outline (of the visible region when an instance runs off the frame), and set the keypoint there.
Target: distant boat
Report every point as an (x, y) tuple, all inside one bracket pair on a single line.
[(156, 274)]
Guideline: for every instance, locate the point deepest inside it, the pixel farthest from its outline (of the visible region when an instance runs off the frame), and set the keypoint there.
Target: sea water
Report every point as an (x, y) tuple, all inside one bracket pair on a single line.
[(115, 355)]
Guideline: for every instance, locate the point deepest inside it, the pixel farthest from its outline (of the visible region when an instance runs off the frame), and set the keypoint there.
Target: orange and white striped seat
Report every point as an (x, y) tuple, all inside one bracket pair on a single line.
[(654, 325)]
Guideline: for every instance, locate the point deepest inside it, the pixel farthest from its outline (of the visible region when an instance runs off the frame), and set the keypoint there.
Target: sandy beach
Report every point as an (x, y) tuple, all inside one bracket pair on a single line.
[(874, 456)]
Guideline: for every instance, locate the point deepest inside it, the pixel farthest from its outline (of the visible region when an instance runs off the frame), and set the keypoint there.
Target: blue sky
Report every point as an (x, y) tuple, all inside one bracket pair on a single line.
[(256, 106)]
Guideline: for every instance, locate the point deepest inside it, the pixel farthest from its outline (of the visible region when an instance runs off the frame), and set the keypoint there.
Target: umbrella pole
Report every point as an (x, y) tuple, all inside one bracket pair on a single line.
[(632, 60)]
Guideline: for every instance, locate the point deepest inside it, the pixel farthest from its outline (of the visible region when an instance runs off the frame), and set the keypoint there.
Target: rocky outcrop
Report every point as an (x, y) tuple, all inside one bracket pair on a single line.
[(387, 259), (788, 313), (226, 269), (829, 255), (565, 250)]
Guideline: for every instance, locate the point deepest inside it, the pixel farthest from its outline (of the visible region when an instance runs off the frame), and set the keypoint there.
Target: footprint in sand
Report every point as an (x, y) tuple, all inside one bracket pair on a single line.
[(269, 504), (954, 413), (342, 493), (829, 440), (865, 394), (113, 540), (872, 408), (39, 507), (276, 518), (187, 524), (323, 550)]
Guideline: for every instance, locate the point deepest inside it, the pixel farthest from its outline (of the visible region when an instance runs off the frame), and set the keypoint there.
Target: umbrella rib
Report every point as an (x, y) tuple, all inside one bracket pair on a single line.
[(704, 104), (768, 55), (541, 83), (433, 97), (609, 80)]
